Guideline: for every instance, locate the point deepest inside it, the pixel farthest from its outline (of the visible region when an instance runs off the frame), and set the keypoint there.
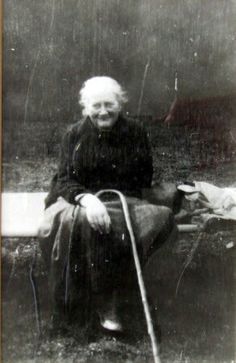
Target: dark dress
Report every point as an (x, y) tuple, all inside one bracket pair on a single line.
[(83, 264)]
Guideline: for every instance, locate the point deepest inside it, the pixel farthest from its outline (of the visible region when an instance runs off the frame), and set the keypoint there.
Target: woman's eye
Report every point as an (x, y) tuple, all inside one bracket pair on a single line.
[(97, 106), (109, 104)]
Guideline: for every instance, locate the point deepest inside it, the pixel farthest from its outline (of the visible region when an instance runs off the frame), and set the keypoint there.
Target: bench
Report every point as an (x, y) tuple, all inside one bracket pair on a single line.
[(22, 214)]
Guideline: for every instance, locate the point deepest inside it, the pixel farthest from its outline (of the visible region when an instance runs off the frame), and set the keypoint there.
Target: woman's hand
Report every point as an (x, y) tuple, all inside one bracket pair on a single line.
[(96, 212)]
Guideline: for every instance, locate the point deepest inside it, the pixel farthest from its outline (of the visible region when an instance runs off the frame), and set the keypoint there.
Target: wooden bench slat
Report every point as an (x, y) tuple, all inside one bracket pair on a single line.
[(21, 214)]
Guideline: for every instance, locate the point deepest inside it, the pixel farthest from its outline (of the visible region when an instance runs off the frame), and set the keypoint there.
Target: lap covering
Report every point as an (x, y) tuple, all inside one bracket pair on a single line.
[(97, 263)]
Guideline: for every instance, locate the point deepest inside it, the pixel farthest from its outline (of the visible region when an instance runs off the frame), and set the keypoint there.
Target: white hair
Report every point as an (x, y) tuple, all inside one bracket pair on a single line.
[(96, 85)]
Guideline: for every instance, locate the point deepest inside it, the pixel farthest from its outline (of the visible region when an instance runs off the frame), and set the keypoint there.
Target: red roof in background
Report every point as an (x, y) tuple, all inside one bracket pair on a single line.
[(207, 112)]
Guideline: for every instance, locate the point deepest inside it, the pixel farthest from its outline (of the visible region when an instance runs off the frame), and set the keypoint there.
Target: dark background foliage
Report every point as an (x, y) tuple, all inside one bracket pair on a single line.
[(52, 46)]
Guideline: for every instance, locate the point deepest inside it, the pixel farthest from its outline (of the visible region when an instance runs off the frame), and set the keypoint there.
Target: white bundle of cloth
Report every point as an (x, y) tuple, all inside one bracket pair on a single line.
[(221, 202)]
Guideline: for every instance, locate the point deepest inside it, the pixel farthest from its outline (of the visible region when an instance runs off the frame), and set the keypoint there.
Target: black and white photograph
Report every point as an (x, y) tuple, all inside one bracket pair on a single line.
[(118, 204)]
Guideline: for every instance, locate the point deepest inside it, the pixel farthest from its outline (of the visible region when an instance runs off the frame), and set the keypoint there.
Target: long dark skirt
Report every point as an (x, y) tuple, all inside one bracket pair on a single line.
[(86, 268)]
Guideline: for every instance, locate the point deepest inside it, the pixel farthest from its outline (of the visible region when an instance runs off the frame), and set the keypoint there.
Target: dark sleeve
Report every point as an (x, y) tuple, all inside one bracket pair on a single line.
[(145, 164), (65, 183)]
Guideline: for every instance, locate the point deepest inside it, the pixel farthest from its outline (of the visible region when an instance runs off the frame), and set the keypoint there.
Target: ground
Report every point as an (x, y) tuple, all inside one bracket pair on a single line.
[(196, 312)]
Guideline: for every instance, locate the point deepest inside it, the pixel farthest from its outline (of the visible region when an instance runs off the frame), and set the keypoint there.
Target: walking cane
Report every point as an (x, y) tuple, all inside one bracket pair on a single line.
[(151, 333)]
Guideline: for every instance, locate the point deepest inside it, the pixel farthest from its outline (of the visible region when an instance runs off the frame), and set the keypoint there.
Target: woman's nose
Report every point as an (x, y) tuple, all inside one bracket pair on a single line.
[(103, 110)]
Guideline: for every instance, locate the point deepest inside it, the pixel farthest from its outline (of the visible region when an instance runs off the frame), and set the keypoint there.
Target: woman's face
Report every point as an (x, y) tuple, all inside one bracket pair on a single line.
[(103, 109)]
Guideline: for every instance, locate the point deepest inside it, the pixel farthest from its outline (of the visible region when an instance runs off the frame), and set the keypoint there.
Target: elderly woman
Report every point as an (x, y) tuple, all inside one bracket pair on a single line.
[(84, 237)]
